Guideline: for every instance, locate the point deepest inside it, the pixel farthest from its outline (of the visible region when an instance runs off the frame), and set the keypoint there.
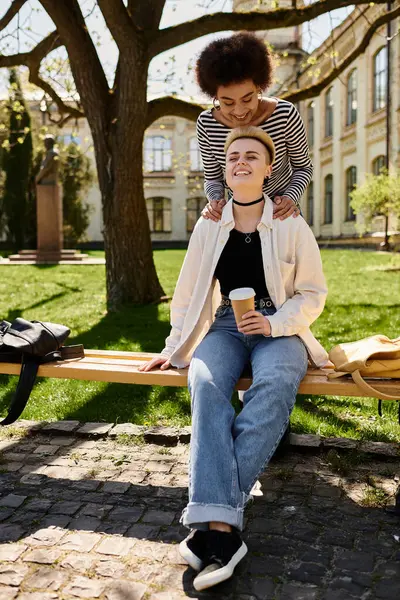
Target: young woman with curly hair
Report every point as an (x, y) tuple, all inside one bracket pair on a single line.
[(234, 72), (280, 260)]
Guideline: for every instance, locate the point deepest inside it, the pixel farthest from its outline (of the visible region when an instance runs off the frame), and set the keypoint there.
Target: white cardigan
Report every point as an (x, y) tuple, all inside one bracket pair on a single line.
[(293, 274)]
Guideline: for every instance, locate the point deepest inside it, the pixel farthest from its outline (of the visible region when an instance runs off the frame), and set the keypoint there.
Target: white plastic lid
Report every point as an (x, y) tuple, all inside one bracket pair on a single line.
[(242, 294)]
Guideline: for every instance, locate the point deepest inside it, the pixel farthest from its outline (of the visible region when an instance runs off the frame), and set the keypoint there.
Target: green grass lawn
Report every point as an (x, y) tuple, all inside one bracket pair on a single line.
[(364, 298)]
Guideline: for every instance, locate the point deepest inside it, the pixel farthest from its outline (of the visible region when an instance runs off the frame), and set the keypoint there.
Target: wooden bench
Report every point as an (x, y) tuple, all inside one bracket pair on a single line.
[(122, 367)]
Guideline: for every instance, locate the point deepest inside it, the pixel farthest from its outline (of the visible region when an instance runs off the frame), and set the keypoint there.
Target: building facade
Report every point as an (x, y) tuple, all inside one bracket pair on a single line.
[(347, 125)]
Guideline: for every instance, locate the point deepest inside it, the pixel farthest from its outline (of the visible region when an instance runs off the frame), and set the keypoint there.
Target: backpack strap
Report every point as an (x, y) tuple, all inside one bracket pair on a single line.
[(29, 369)]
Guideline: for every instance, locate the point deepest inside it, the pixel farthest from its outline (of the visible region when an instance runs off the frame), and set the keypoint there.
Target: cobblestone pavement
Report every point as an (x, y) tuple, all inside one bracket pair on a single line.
[(99, 519)]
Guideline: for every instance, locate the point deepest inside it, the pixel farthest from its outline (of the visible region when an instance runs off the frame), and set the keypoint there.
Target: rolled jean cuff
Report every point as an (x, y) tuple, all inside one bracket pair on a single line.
[(197, 513)]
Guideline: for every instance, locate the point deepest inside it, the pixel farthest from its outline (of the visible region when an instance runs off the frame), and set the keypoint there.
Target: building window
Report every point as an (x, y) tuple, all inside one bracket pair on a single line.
[(310, 204), (378, 164), (329, 113), (195, 156), (159, 213), (194, 206), (351, 117), (310, 124), (380, 75), (351, 181), (328, 197), (157, 154)]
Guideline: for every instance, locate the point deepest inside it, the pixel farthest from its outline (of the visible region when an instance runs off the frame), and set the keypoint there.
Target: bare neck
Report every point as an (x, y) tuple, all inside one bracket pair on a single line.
[(248, 216)]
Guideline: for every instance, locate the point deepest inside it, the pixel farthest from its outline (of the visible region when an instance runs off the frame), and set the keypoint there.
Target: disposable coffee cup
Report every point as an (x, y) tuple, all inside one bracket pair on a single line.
[(242, 300)]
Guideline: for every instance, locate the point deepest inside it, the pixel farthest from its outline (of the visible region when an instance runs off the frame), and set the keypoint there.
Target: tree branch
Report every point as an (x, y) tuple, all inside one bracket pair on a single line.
[(252, 21), (88, 73), (36, 55), (14, 60), (33, 60), (146, 15), (63, 108), (118, 21), (172, 106), (14, 9), (45, 46), (315, 89)]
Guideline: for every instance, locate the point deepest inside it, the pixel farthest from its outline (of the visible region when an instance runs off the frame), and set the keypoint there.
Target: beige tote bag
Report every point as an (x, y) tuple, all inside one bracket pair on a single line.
[(373, 357)]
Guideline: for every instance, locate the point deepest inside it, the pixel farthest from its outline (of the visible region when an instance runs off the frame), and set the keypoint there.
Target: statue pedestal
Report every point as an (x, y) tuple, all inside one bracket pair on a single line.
[(49, 219)]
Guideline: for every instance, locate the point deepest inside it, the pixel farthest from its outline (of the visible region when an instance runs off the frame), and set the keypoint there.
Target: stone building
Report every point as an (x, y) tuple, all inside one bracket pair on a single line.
[(347, 125)]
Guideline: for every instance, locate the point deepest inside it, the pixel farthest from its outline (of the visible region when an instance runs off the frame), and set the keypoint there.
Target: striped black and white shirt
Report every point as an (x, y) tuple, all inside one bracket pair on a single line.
[(292, 170)]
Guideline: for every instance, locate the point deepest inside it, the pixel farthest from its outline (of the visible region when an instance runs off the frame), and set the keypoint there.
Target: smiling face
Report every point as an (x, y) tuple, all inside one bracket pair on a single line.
[(247, 165), (239, 102)]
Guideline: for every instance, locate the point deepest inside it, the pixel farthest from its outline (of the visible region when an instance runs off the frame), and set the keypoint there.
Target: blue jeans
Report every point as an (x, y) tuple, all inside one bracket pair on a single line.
[(228, 452)]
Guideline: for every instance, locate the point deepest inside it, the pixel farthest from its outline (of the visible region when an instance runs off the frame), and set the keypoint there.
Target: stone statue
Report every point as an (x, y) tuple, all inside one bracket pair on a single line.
[(48, 174), (49, 215), (49, 204)]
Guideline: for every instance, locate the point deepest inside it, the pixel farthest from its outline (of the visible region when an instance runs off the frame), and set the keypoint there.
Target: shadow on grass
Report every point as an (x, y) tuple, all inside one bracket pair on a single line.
[(132, 328), (5, 400), (135, 328), (308, 406)]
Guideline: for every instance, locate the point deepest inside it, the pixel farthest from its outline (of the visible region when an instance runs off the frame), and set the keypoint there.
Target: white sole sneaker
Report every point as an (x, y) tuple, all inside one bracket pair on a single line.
[(214, 574), (192, 560)]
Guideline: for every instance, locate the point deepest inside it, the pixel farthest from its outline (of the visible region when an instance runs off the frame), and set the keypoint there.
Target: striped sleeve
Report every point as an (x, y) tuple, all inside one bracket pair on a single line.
[(297, 148), (214, 188)]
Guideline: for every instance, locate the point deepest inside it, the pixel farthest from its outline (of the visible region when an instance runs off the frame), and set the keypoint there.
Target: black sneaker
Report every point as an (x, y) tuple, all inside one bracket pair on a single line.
[(224, 552), (193, 548)]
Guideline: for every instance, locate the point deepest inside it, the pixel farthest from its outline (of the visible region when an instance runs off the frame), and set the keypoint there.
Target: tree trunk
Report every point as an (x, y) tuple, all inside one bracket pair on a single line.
[(130, 270), (131, 273)]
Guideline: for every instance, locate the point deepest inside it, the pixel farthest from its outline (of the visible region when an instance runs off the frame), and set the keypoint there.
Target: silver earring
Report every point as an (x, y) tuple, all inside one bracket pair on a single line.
[(260, 96), (216, 104)]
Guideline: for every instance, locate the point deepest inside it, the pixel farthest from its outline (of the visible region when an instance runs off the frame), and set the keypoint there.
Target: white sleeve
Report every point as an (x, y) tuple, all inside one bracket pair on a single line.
[(185, 286)]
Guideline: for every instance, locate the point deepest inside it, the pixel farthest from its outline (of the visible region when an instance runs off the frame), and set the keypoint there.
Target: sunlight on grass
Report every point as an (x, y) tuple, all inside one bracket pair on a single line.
[(364, 299)]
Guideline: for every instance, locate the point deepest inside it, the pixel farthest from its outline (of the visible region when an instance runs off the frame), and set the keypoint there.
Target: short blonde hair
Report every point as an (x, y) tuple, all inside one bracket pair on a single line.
[(254, 133)]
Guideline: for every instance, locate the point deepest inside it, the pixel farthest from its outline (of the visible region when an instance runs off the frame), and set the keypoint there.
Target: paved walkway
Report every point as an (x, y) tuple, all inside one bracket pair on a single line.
[(84, 518)]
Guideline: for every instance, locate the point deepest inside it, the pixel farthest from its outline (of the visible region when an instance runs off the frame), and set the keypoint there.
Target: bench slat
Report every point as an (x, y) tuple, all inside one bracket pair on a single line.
[(121, 367)]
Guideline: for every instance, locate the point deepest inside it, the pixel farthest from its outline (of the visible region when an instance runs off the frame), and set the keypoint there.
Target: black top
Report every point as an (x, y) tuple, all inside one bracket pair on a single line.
[(241, 264)]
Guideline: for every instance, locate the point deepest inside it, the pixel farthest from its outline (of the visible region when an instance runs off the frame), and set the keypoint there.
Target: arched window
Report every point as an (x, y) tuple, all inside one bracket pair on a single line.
[(380, 78), (351, 116), (378, 164), (310, 203), (328, 199), (159, 213), (157, 154), (195, 156), (329, 113), (310, 124), (351, 181), (194, 206)]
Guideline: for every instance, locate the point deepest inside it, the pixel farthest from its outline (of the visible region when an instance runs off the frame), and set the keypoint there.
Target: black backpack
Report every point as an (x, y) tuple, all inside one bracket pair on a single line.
[(32, 343)]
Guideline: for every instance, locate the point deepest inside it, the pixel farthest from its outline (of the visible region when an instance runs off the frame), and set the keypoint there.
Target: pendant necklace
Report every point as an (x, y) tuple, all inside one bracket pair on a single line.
[(247, 236)]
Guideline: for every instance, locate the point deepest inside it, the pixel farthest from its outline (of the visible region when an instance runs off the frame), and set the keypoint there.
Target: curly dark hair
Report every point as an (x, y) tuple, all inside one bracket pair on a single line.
[(233, 60)]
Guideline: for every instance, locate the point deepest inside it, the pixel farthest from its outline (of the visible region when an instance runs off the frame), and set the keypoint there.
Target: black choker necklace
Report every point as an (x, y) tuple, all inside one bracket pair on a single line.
[(248, 203)]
